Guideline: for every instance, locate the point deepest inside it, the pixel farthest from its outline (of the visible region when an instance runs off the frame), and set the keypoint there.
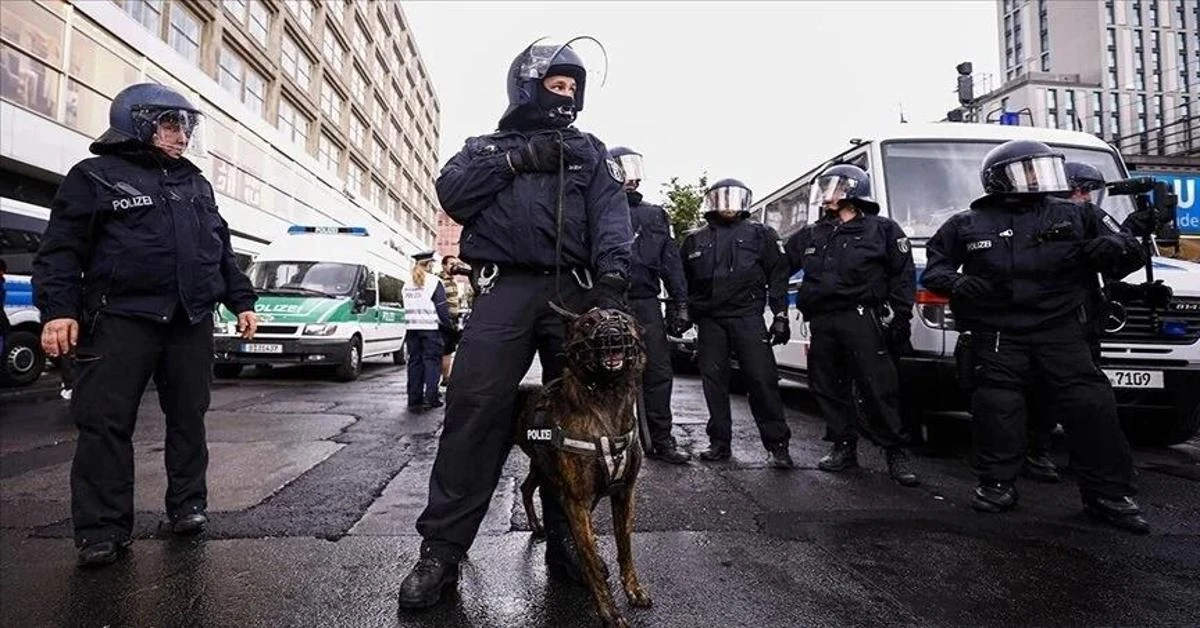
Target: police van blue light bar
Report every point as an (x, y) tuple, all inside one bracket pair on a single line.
[(354, 231)]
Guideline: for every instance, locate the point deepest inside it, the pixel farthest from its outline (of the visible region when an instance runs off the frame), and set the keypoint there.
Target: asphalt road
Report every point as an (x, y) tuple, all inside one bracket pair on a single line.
[(315, 487)]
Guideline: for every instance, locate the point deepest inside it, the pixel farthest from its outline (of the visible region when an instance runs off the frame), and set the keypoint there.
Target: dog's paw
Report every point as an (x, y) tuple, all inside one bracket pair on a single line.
[(638, 597)]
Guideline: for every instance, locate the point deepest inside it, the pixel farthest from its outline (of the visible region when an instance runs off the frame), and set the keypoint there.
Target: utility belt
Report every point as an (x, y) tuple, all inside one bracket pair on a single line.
[(485, 274)]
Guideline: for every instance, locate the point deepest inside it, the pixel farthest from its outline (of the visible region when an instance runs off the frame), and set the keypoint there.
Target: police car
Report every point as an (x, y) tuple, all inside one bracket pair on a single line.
[(326, 296), (21, 226)]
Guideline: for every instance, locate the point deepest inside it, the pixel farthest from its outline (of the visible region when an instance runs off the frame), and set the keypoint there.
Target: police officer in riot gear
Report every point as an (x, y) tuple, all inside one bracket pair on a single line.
[(857, 296), (655, 261), (544, 219), (734, 269), (1018, 268), (134, 259)]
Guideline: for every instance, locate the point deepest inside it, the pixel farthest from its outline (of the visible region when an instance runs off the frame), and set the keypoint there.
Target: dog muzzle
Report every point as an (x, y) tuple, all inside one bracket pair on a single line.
[(605, 345)]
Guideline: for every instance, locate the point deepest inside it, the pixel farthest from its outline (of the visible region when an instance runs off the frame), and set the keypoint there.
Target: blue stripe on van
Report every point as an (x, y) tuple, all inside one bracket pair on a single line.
[(18, 292)]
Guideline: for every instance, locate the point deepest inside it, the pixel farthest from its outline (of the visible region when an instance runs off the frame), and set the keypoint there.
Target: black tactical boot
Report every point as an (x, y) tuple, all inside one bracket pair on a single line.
[(843, 455), (994, 497), (1040, 467), (562, 557), (716, 452), (1121, 512), (780, 458), (423, 586), (102, 553), (899, 467), (189, 524), (669, 453)]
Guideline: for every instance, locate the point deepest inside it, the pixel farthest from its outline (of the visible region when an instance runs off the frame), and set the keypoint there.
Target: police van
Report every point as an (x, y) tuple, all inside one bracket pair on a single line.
[(21, 227), (921, 174), (326, 296)]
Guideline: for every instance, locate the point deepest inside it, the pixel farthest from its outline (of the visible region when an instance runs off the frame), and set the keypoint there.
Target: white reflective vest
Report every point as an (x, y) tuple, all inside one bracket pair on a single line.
[(419, 311)]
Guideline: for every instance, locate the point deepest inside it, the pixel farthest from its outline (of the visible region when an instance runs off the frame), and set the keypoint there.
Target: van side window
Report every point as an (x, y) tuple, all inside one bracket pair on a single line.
[(391, 291)]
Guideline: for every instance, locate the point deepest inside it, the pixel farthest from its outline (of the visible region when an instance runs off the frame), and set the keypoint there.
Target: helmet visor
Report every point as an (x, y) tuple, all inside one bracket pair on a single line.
[(536, 60), (177, 120), (1037, 174), (631, 165), (727, 199), (830, 189)]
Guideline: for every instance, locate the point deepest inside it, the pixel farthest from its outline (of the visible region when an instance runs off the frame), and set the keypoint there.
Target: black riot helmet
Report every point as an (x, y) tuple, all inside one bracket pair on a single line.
[(1024, 168), (727, 195), (843, 182), (630, 162), (137, 110), (530, 105), (1085, 178)]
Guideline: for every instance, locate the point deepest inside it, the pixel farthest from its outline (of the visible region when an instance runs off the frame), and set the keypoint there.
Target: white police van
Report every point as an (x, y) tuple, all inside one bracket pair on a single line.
[(21, 227), (326, 296), (921, 174)]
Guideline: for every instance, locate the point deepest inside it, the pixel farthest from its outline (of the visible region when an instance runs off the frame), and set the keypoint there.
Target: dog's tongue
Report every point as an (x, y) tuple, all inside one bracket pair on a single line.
[(614, 360)]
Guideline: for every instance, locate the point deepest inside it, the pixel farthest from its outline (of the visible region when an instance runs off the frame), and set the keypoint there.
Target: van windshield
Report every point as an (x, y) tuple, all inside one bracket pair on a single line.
[(327, 279), (929, 181)]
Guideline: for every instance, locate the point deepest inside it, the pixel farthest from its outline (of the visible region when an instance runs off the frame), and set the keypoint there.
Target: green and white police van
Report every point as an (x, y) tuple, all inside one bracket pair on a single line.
[(326, 296)]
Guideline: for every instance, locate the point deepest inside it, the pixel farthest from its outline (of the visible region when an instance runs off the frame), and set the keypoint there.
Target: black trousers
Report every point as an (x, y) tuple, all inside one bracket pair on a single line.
[(1059, 359), (848, 348), (745, 336), (424, 365), (506, 328), (658, 379), (115, 360), (1042, 419)]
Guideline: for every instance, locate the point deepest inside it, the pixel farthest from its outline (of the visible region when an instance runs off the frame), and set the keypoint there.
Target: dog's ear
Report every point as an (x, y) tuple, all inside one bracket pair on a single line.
[(563, 312)]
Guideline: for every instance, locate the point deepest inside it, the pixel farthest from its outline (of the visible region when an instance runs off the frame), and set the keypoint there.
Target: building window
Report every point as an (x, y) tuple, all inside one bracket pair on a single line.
[(379, 155), (1044, 35), (1153, 12), (184, 35), (303, 10), (1139, 68), (358, 131), (1181, 15), (1182, 56), (331, 102), (354, 178), (380, 113), (1097, 115), (243, 82), (147, 12), (1185, 112), (1112, 59), (295, 63), (1135, 11), (1052, 108), (333, 50), (253, 15), (1046, 61), (292, 123), (1143, 139), (1158, 122), (1110, 11), (1114, 115), (1018, 49), (1072, 119), (328, 153), (358, 88), (358, 39)]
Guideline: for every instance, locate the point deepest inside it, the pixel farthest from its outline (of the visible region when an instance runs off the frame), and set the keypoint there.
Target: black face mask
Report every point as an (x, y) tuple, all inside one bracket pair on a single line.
[(635, 198), (559, 110)]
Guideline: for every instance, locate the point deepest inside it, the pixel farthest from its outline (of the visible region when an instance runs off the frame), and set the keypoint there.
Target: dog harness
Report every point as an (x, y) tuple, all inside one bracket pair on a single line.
[(613, 451)]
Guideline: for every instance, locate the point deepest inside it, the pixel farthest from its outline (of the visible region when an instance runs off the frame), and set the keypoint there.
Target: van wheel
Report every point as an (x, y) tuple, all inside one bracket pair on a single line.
[(1164, 429), (227, 371), (351, 366), (23, 360)]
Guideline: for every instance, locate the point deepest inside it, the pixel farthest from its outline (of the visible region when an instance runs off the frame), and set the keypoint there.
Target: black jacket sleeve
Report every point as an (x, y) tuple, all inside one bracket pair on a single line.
[(609, 224), (672, 265), (239, 292), (775, 265), (901, 272), (1097, 223), (795, 247), (60, 262), (469, 182), (944, 258), (442, 305)]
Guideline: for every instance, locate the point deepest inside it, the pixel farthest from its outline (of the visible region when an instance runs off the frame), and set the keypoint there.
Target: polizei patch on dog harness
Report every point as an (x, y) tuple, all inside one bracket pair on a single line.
[(612, 451), (979, 246)]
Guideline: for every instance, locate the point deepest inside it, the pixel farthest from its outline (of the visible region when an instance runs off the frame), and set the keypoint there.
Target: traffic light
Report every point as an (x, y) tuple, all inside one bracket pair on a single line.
[(966, 86)]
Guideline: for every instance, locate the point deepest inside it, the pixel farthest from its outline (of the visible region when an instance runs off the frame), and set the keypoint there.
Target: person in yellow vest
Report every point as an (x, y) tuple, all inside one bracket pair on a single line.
[(426, 311), (456, 294)]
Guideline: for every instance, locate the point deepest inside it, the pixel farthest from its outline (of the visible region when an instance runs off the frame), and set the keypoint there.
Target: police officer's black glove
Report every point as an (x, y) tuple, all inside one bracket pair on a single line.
[(540, 154), (971, 287), (1104, 249), (678, 320), (609, 293), (780, 332), (899, 335), (1141, 223)]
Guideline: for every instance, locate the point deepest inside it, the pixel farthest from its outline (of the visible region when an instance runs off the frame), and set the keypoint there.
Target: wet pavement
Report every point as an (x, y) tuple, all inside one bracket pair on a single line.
[(315, 486)]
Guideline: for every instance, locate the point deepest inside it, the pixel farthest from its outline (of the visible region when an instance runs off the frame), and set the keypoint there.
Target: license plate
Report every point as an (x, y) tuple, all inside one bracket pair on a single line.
[(258, 348), (1122, 378)]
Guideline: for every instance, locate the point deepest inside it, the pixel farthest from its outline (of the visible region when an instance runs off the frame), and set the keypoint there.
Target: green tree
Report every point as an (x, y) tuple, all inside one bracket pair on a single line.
[(683, 204)]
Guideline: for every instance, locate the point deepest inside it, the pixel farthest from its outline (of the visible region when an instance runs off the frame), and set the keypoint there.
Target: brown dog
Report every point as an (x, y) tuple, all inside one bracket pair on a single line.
[(581, 435)]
